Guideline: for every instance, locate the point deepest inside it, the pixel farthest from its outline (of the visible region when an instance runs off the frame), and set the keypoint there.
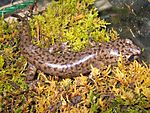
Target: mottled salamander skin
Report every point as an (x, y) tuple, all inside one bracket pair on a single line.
[(74, 63)]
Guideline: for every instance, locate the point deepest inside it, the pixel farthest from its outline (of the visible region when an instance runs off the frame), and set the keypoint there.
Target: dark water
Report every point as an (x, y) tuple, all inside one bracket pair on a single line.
[(131, 18)]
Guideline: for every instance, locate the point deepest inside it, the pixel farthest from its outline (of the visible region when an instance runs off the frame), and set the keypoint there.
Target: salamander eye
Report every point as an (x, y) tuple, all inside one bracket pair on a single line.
[(128, 41), (131, 58)]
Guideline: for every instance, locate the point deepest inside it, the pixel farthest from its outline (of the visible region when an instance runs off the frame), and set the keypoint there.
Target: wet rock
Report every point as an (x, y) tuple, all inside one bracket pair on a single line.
[(131, 19)]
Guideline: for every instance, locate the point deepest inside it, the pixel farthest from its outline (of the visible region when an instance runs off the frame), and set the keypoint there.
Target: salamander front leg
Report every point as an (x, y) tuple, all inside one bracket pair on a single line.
[(30, 73)]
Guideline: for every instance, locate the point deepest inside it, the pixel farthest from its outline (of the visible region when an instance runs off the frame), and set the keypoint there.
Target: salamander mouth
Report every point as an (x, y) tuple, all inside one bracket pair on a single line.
[(133, 57), (136, 55)]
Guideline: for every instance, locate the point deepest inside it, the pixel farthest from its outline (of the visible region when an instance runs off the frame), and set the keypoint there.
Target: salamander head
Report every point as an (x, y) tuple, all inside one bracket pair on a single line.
[(126, 48)]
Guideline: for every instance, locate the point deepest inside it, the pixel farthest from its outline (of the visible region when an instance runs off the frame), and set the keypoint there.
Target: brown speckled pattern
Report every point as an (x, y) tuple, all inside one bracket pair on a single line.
[(73, 64)]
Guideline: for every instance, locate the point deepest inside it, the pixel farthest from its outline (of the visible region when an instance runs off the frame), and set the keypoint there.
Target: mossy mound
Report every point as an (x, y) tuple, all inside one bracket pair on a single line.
[(121, 88), (73, 21)]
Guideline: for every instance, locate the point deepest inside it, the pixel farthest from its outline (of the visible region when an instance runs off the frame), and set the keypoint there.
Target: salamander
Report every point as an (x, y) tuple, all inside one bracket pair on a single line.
[(73, 64)]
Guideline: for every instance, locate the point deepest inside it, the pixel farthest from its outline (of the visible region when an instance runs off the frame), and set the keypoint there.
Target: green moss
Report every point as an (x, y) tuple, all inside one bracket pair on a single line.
[(136, 106), (70, 21), (121, 88)]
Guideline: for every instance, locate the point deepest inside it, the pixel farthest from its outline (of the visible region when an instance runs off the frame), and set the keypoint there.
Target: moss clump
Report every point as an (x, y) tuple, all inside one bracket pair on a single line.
[(9, 57), (115, 89), (12, 66), (121, 88), (71, 21)]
